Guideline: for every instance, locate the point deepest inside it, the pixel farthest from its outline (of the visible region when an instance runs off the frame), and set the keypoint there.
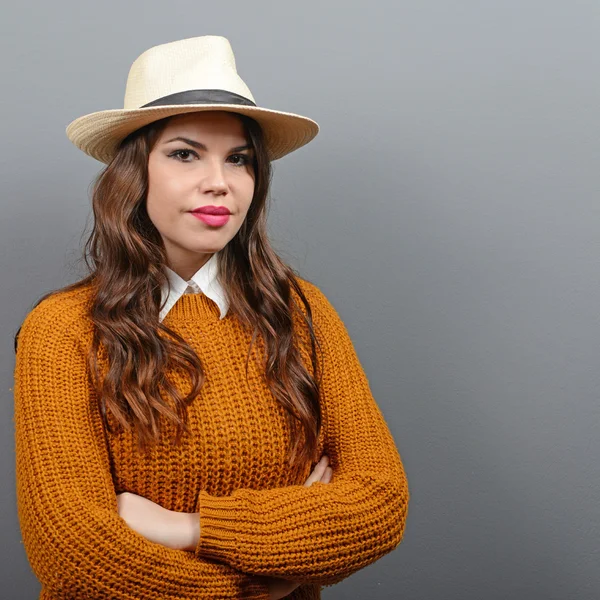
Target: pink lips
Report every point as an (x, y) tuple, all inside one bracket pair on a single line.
[(215, 220)]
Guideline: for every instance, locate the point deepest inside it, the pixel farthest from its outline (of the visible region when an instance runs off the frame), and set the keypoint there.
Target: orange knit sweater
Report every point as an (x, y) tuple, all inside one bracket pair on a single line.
[(256, 515)]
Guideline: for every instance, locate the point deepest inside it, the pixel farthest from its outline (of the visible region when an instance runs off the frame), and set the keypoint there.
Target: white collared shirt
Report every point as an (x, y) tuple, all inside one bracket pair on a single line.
[(203, 281)]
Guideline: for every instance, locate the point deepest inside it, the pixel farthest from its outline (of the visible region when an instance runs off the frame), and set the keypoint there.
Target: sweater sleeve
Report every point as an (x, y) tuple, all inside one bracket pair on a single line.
[(77, 544), (328, 531)]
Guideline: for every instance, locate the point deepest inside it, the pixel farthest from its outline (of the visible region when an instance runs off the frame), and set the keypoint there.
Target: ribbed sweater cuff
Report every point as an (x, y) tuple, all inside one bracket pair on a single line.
[(257, 590), (219, 526)]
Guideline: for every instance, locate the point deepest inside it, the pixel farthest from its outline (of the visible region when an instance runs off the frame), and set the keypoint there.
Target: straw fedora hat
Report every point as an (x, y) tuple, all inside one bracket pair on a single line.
[(194, 74)]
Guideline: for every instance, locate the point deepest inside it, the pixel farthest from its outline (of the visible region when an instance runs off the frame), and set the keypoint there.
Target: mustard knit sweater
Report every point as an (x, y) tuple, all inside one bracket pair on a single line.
[(256, 515)]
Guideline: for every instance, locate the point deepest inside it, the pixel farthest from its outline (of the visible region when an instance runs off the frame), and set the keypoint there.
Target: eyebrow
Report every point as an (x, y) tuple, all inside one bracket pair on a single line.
[(201, 146)]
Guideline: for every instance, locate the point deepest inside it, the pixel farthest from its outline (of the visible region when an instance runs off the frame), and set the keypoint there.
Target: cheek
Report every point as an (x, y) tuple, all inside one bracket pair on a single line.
[(248, 191), (164, 194), (155, 203)]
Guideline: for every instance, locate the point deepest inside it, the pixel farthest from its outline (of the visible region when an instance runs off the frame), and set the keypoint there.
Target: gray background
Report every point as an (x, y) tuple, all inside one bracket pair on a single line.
[(449, 209)]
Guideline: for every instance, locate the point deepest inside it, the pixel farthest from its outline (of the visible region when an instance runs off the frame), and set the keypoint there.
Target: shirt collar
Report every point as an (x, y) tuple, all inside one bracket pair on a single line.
[(205, 278)]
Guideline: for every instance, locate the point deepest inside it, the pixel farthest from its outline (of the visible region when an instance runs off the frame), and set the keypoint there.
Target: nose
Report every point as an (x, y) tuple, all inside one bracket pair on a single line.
[(214, 178)]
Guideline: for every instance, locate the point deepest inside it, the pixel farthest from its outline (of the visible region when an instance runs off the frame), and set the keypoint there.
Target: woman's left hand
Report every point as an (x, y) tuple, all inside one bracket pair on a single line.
[(158, 524)]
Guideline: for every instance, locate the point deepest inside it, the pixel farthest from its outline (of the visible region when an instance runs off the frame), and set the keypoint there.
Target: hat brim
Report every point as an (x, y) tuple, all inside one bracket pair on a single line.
[(99, 134)]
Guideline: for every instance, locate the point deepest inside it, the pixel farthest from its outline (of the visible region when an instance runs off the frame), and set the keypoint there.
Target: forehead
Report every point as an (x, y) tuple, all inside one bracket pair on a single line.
[(220, 124)]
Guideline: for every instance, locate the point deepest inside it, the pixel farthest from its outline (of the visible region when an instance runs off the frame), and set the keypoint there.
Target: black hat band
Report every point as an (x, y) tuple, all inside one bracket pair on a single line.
[(201, 97)]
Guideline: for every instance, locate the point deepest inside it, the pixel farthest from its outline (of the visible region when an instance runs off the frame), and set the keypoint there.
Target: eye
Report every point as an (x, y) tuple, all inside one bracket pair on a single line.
[(245, 159), (177, 154)]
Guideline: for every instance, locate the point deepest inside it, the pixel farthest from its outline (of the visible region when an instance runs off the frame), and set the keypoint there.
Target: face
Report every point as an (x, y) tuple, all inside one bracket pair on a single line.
[(210, 164)]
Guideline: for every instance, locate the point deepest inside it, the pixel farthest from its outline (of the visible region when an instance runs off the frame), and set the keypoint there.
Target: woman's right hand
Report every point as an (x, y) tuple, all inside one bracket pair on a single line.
[(280, 588)]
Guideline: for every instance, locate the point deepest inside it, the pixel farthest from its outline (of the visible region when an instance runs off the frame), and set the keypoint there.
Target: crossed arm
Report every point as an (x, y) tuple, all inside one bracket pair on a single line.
[(181, 531)]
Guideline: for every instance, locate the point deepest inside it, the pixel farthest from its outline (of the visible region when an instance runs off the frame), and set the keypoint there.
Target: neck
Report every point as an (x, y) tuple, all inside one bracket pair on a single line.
[(186, 269)]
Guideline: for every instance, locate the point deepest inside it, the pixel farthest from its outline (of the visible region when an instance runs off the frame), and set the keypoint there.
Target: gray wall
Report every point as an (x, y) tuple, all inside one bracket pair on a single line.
[(449, 209)]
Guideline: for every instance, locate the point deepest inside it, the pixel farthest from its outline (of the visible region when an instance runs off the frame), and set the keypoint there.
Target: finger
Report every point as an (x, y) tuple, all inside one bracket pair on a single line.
[(327, 475), (318, 471)]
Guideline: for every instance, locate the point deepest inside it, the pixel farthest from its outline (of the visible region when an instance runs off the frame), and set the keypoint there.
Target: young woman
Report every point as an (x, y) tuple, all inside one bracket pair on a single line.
[(192, 419)]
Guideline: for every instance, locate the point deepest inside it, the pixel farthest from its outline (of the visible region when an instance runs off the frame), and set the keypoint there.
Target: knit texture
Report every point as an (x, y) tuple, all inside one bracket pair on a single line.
[(256, 516)]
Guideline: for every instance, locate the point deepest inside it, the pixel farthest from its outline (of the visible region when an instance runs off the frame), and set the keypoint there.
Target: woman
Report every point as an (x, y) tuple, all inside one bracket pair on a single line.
[(192, 420)]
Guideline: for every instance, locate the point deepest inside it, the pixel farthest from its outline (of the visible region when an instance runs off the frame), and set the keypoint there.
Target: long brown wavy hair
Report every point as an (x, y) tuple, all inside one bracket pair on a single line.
[(124, 254)]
